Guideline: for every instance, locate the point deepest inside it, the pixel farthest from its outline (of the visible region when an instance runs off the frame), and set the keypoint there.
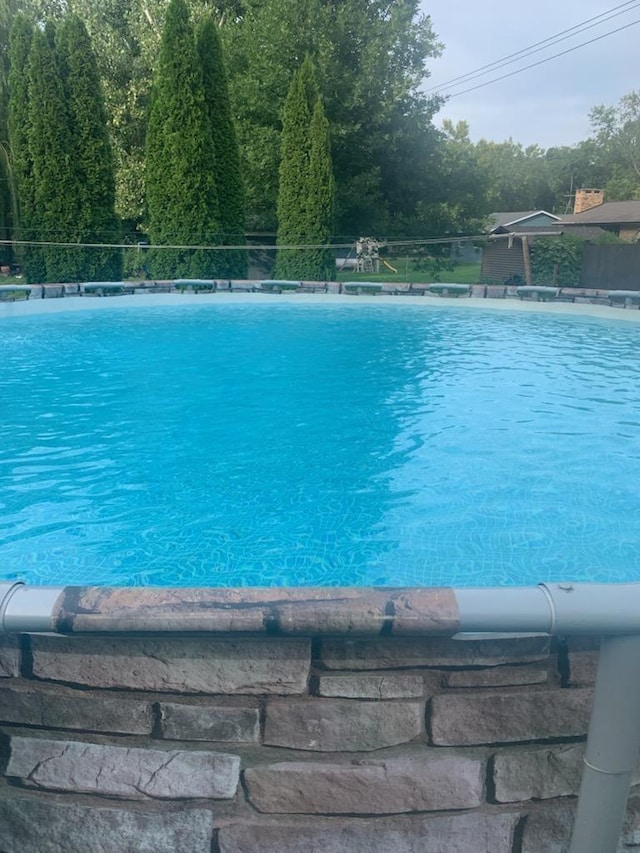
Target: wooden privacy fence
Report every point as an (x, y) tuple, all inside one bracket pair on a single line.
[(614, 267)]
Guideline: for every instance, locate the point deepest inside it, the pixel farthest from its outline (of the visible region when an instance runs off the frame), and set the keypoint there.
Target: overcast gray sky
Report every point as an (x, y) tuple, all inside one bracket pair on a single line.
[(549, 104)]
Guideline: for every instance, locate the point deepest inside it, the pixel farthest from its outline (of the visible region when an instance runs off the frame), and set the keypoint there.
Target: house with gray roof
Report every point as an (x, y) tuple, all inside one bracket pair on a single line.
[(605, 265), (621, 218)]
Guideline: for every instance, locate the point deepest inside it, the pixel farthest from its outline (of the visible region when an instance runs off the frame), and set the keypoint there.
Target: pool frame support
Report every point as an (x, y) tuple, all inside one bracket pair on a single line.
[(611, 611), (613, 745), (27, 610), (613, 741)]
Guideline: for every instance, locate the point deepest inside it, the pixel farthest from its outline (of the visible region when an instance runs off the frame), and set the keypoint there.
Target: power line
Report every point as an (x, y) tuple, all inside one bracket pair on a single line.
[(182, 247), (534, 48), (538, 46), (542, 61)]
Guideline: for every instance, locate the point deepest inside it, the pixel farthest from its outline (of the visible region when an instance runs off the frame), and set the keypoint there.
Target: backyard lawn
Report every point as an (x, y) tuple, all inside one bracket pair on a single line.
[(406, 273)]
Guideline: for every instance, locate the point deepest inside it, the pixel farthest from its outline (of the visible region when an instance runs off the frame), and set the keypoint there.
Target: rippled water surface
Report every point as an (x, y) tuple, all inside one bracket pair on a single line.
[(282, 445)]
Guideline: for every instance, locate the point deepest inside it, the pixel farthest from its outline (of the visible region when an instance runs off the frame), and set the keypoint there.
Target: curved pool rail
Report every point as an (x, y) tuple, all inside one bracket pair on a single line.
[(560, 608)]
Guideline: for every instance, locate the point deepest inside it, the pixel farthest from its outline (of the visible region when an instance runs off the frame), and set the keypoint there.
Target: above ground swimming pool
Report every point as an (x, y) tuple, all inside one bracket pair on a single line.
[(265, 444)]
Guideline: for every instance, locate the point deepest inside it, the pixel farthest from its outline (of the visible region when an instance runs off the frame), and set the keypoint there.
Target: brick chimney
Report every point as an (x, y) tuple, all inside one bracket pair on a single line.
[(586, 199)]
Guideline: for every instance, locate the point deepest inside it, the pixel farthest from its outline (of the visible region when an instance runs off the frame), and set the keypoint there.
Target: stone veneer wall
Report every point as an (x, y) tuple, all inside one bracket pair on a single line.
[(302, 745)]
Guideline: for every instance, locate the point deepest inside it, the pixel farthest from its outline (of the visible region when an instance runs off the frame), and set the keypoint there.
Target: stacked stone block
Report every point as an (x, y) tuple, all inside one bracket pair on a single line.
[(273, 745)]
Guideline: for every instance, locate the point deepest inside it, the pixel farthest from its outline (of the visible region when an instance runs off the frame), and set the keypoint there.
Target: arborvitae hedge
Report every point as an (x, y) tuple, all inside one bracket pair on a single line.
[(320, 194), (55, 167), (228, 174), (294, 164), (5, 205), (5, 165), (20, 39), (61, 158), (180, 164), (94, 219), (305, 194)]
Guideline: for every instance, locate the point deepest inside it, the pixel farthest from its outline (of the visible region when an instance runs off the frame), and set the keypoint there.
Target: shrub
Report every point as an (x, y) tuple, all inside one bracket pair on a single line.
[(557, 259)]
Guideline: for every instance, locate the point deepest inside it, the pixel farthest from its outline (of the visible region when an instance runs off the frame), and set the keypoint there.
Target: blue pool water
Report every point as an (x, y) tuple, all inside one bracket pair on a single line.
[(288, 444)]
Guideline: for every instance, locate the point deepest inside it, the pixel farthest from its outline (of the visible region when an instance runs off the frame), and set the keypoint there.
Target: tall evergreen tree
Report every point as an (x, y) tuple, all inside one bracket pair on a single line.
[(228, 174), (55, 171), (6, 183), (94, 219), (180, 163), (320, 194), (19, 123), (305, 194), (294, 166)]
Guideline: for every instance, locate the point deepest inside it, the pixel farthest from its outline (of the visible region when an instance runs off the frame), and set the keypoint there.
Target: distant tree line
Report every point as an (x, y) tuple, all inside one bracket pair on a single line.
[(503, 176)]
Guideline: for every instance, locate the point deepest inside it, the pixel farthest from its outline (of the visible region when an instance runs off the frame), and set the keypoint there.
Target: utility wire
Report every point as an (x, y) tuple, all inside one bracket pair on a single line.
[(542, 61), (537, 47), (418, 241)]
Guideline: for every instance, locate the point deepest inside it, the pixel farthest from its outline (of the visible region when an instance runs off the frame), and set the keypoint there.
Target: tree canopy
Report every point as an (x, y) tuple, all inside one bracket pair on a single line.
[(370, 58)]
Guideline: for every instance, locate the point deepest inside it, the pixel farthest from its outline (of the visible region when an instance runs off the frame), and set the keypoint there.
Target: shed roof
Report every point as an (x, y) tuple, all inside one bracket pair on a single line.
[(505, 219), (534, 232)]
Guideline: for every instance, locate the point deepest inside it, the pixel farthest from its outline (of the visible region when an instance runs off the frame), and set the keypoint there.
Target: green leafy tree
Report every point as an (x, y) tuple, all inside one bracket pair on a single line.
[(457, 200), (516, 177), (94, 219), (370, 58), (558, 260), (617, 138), (180, 163), (60, 155), (571, 167), (228, 172)]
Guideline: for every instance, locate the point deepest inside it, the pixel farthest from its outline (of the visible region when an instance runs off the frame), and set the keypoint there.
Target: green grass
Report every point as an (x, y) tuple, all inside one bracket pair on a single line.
[(462, 274)]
